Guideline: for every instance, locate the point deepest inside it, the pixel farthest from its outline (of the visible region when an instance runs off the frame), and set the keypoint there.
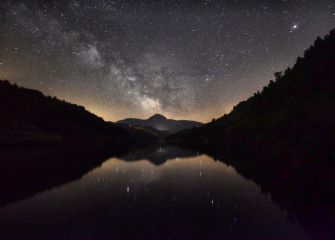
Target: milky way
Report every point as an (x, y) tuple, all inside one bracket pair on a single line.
[(184, 59)]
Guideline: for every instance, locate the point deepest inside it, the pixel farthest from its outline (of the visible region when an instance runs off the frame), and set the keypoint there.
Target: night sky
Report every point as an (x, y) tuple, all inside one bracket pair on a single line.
[(184, 59)]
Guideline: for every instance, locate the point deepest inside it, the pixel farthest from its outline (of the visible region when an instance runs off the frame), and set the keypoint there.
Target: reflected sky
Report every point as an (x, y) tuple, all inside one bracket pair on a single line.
[(193, 197)]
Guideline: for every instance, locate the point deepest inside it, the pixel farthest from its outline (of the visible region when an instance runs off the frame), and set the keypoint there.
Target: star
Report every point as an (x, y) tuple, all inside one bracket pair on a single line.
[(294, 26)]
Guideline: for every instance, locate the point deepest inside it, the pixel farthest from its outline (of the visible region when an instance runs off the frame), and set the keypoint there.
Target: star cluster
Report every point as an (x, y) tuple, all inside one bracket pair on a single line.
[(184, 59)]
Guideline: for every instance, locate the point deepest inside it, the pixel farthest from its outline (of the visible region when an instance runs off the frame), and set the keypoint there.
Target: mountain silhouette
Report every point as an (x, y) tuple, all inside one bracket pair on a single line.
[(161, 123), (157, 117), (30, 118), (292, 118)]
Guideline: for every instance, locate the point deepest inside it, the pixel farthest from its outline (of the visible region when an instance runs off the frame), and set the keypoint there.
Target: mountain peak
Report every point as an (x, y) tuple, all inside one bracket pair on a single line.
[(158, 117), (161, 123)]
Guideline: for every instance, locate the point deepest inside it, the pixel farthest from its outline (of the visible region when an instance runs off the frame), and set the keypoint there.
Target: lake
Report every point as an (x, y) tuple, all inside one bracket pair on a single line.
[(162, 192)]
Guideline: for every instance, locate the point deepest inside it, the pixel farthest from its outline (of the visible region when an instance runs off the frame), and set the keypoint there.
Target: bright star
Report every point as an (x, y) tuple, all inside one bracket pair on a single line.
[(294, 27)]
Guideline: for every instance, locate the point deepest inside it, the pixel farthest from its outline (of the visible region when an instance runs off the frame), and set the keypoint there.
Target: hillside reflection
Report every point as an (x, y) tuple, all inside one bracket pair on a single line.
[(155, 191)]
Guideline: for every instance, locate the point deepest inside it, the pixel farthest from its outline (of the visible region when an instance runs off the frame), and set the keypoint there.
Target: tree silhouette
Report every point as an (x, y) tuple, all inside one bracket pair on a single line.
[(292, 117), (28, 115)]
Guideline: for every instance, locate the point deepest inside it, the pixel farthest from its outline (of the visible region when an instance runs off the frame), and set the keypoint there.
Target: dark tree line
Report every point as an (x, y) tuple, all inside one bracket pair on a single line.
[(292, 117), (28, 115)]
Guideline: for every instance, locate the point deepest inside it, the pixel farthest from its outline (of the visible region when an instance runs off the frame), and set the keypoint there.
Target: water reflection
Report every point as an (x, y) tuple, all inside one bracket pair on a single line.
[(171, 194)]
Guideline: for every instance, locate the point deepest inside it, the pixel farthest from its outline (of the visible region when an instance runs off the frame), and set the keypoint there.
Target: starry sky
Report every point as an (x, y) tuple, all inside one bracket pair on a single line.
[(185, 59)]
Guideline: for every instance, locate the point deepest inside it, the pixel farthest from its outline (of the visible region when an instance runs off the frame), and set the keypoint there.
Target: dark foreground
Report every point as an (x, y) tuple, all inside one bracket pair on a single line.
[(160, 192)]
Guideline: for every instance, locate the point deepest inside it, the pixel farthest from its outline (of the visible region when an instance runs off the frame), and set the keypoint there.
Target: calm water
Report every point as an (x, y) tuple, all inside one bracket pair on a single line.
[(164, 193)]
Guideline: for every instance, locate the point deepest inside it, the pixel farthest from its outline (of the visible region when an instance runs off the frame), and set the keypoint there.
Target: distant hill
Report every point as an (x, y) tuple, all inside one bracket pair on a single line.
[(29, 117), (161, 123), (293, 117)]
